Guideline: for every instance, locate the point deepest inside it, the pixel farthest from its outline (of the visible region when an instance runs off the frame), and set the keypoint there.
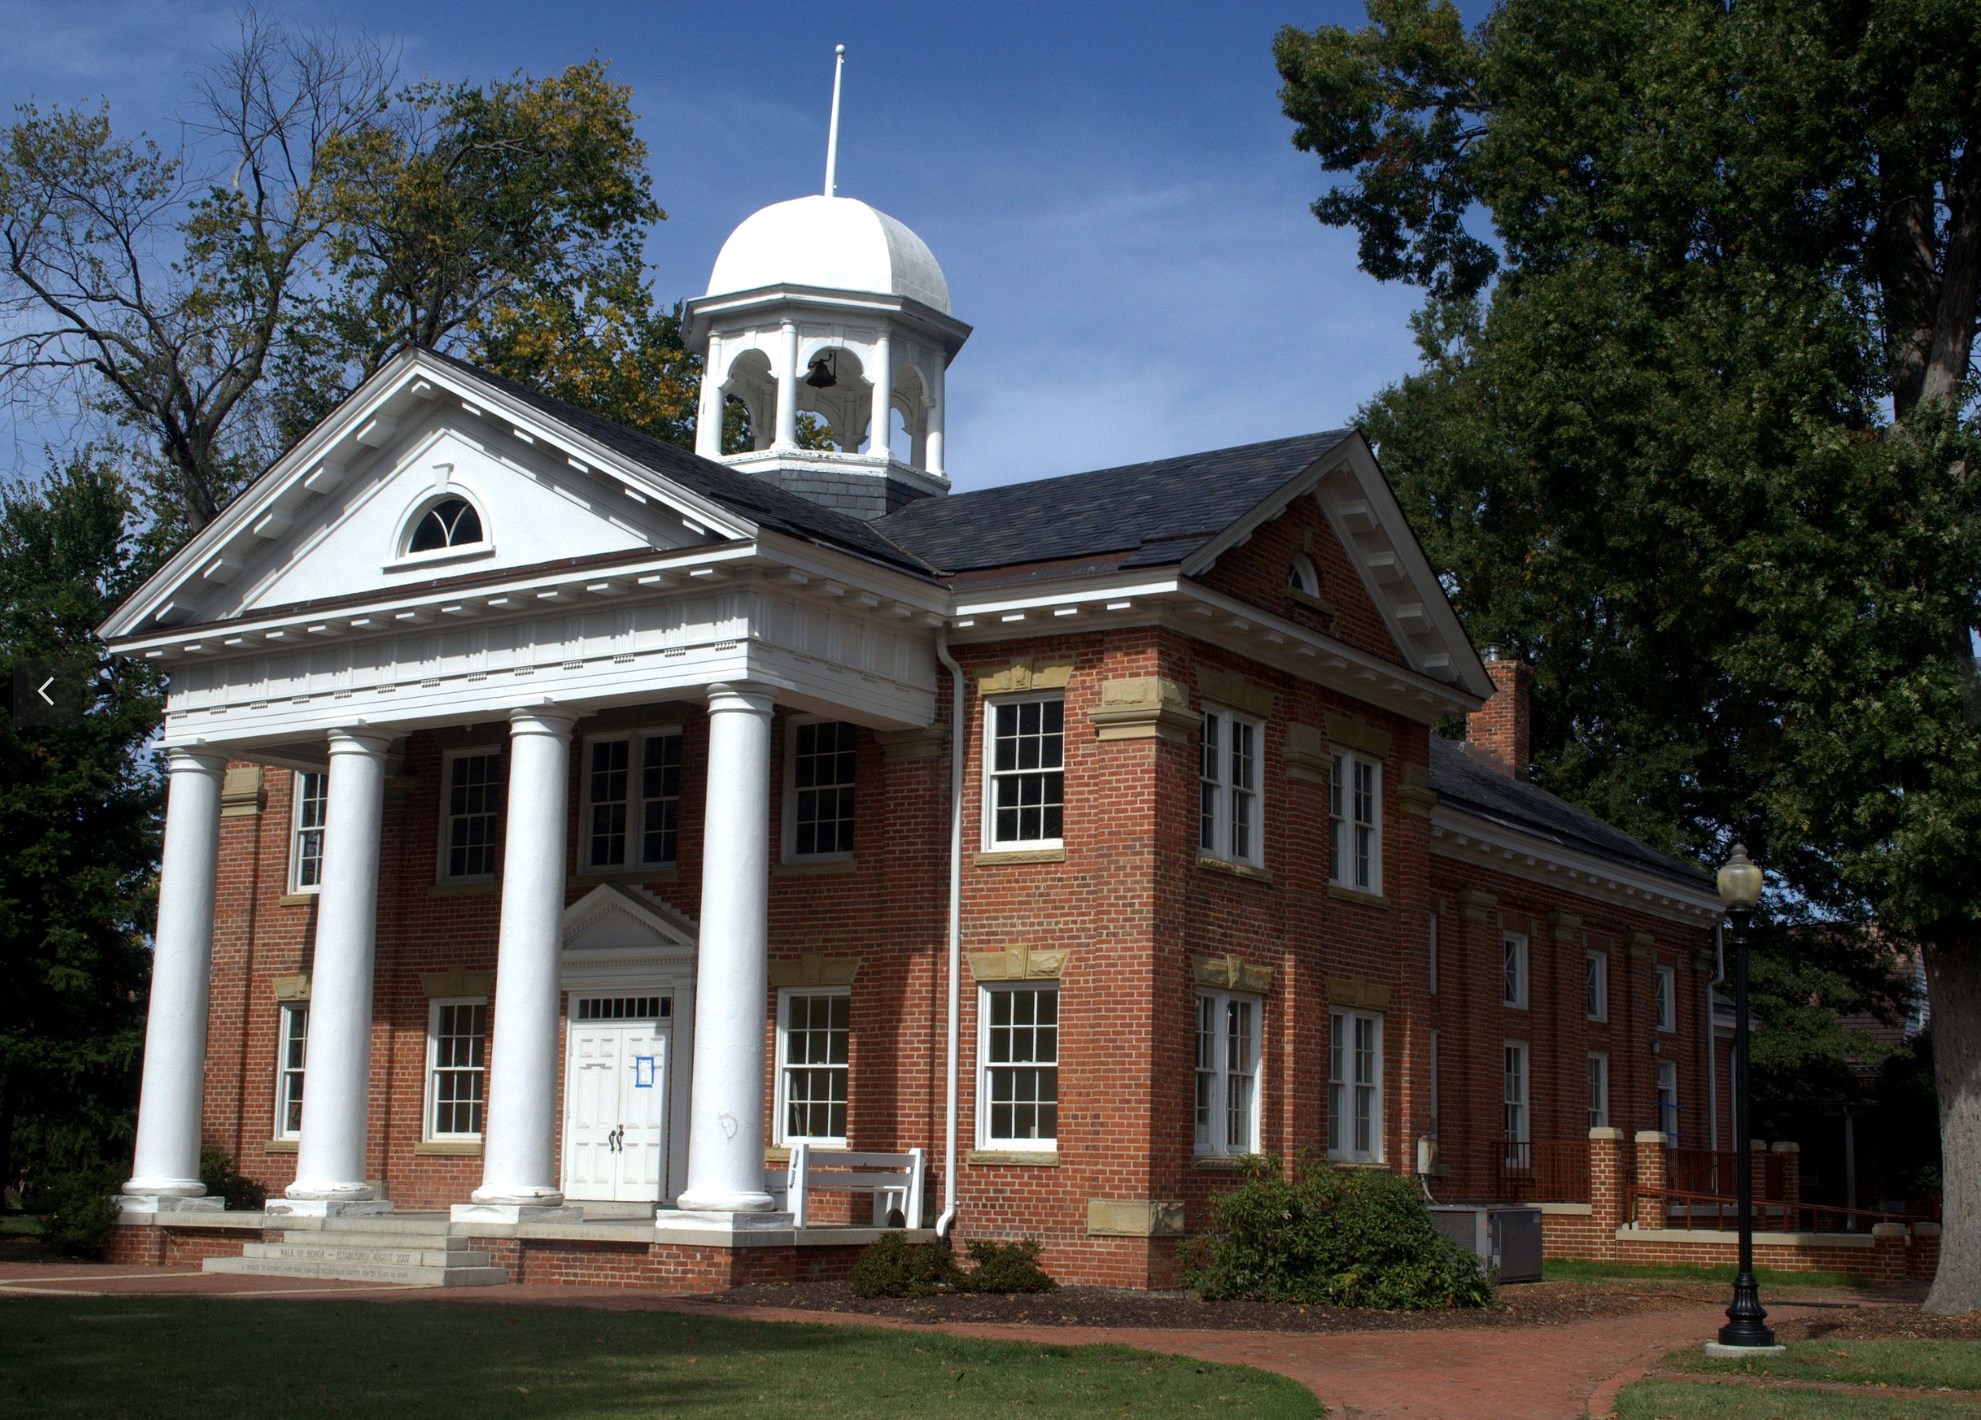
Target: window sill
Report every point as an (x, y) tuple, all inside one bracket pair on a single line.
[(1021, 1158), (1359, 1163), (281, 1146), (1349, 894), (814, 868), (450, 1148), (1513, 1005), (475, 887), (1236, 870), (624, 877), (776, 1154), (997, 856), (295, 899), (1222, 1163)]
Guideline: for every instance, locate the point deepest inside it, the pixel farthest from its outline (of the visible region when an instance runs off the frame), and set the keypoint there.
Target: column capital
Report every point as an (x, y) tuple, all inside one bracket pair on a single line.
[(552, 720), (359, 742), (193, 761), (732, 696)]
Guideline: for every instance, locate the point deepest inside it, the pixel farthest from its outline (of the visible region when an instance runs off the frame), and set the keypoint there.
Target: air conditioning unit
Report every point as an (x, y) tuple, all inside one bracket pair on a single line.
[(1507, 1240)]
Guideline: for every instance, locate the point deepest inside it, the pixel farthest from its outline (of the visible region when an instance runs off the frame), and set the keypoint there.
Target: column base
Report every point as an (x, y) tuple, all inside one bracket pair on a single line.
[(167, 1203), (719, 1220), (721, 1201), (514, 1213), (326, 1207)]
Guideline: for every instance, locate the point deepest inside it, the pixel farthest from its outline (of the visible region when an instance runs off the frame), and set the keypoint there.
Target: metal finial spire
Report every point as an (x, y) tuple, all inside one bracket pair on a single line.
[(832, 137)]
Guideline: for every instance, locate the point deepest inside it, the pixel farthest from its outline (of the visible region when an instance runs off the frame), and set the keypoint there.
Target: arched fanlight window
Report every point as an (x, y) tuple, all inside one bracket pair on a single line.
[(1301, 576), (452, 522)]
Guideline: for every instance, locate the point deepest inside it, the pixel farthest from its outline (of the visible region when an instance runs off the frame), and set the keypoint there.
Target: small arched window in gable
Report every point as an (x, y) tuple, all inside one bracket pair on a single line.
[(1301, 576), (449, 523)]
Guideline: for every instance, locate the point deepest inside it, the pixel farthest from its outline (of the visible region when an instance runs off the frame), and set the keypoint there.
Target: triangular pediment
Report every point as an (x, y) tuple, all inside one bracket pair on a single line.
[(333, 520), (611, 918)]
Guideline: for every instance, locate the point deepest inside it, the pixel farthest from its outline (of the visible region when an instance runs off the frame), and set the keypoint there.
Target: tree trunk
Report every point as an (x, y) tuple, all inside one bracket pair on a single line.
[(1953, 987)]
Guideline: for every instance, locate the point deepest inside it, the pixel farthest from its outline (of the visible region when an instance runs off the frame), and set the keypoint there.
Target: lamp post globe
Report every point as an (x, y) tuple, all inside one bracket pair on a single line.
[(1740, 883)]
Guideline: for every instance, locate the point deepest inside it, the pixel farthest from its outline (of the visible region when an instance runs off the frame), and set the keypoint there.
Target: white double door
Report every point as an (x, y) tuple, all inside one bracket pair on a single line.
[(617, 1073)]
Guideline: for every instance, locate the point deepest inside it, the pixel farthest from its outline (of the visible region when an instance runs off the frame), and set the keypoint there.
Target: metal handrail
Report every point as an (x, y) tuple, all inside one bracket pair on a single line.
[(1790, 1213)]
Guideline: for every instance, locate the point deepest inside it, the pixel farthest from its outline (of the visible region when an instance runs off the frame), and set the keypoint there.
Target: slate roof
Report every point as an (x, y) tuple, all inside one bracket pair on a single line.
[(1478, 788), (1159, 513), (757, 499)]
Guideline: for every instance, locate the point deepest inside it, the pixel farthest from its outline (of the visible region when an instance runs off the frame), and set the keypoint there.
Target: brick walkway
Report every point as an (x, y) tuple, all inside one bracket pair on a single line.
[(1507, 1373)]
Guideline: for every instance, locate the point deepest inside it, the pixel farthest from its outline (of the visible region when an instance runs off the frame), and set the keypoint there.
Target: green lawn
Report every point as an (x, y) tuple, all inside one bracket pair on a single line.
[(202, 1357), (1920, 1365), (1926, 1365), (24, 1224), (1680, 1400), (1559, 1269)]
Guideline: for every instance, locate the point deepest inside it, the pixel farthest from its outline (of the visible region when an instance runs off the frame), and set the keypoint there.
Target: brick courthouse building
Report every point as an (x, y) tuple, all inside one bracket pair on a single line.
[(563, 826)]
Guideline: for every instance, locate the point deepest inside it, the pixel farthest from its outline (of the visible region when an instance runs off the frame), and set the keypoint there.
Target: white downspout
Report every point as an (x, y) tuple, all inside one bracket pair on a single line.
[(957, 750)]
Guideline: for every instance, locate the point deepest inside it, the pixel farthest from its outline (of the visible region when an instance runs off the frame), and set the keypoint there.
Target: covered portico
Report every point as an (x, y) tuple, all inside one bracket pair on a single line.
[(282, 651)]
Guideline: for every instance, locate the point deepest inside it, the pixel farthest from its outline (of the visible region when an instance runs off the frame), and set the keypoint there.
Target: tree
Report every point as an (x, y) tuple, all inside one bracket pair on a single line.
[(1695, 425), (80, 808)]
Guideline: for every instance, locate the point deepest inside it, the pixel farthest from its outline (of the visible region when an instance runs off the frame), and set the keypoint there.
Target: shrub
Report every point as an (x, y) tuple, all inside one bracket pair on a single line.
[(216, 1171), (78, 1208), (892, 1267), (1006, 1267), (1331, 1236)]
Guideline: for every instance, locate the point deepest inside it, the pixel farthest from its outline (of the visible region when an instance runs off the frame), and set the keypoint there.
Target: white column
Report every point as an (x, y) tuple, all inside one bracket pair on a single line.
[(882, 418), (933, 462), (519, 1169), (708, 418), (166, 1166), (726, 1119), (330, 1158), (787, 389)]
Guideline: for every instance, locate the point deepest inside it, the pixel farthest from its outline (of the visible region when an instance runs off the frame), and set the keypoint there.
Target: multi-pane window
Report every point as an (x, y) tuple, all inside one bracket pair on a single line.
[(1355, 823), (470, 807), (451, 522), (632, 810), (1599, 1091), (819, 790), (1513, 969), (292, 1029), (1018, 1051), (457, 1047), (312, 795), (1596, 985), (1025, 778), (1355, 1086), (812, 1046), (1667, 988), (1514, 1098), (1228, 817), (1227, 1074), (1668, 1099)]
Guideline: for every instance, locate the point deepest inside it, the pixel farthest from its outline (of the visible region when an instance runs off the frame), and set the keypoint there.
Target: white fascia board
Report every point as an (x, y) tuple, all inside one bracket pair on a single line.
[(1073, 592), (830, 564), (417, 375), (526, 582), (698, 316), (1470, 838), (1354, 455)]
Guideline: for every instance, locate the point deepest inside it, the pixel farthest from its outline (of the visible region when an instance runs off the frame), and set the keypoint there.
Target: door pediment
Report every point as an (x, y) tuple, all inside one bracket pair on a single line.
[(626, 926)]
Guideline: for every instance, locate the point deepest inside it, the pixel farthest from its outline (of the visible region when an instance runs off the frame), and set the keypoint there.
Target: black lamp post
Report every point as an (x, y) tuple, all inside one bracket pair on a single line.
[(1740, 891)]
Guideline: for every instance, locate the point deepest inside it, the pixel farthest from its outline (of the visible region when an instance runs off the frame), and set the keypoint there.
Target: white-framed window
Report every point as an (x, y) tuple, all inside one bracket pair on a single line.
[(1355, 810), (1301, 575), (1355, 1086), (632, 800), (813, 1039), (1666, 986), (1025, 772), (1596, 985), (456, 1068), (1433, 954), (1018, 1065), (1599, 1090), (444, 525), (1227, 1073), (1668, 1099), (1514, 1098), (1513, 969), (1228, 802), (311, 792), (1434, 1083), (470, 813), (820, 765), (292, 1029)]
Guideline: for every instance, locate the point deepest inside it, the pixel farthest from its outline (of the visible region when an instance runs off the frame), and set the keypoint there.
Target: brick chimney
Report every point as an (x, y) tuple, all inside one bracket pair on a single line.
[(1500, 731)]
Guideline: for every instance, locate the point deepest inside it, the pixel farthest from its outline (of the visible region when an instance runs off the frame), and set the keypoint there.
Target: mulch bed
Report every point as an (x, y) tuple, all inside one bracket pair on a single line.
[(1532, 1304), (1901, 1321)]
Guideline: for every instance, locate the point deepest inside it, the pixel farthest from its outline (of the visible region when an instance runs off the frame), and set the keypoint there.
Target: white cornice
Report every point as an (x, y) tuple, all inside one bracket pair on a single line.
[(1469, 838)]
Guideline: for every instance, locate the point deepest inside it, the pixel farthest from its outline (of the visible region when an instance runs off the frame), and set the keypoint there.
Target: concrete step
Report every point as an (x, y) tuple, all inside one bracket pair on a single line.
[(399, 1275), (427, 1239), (340, 1252)]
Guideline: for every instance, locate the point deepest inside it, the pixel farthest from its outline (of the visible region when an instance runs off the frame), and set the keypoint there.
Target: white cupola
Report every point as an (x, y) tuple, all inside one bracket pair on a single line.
[(823, 305)]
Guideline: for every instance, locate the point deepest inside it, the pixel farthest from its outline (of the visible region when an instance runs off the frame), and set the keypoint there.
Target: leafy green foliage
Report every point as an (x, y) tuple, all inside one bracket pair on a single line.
[(1331, 1236), (1006, 1267), (216, 1171), (78, 1208), (890, 1266)]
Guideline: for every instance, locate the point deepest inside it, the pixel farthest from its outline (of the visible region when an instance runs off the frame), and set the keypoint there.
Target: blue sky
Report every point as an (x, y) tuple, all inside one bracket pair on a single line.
[(1111, 189)]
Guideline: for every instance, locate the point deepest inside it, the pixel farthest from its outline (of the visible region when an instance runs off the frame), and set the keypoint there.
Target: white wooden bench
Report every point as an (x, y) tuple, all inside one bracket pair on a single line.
[(895, 1180)]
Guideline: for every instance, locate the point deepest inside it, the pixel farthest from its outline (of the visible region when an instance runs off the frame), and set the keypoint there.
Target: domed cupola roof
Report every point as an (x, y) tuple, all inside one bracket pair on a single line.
[(835, 243)]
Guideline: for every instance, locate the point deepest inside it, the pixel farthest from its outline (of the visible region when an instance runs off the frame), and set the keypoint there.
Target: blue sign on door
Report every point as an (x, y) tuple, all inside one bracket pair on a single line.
[(643, 1072)]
